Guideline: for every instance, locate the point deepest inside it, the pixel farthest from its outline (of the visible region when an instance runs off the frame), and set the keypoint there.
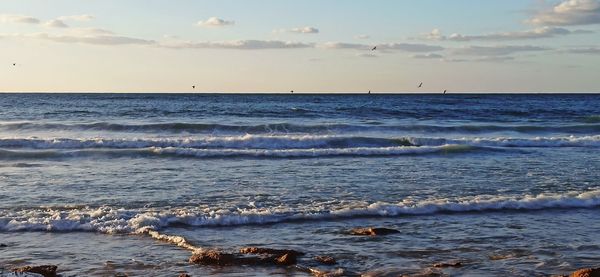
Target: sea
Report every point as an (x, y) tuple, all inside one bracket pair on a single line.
[(112, 184)]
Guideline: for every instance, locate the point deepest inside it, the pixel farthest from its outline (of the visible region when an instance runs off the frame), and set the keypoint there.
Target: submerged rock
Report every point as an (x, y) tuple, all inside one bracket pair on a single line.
[(212, 257), (586, 272), (44, 270), (373, 231), (269, 251), (450, 264), (325, 260)]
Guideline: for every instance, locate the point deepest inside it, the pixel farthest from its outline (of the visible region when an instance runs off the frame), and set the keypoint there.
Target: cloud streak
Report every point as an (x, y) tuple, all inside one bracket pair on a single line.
[(305, 30), (81, 17), (236, 44), (428, 56), (56, 23), (93, 39), (538, 33), (16, 18), (407, 47), (585, 51), (492, 51)]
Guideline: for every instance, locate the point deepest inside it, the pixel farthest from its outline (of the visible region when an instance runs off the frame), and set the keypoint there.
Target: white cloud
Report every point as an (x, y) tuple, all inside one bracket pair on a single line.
[(493, 51), (56, 23), (362, 37), (15, 18), (305, 30), (215, 22), (237, 44), (570, 12), (435, 34), (81, 17), (542, 32)]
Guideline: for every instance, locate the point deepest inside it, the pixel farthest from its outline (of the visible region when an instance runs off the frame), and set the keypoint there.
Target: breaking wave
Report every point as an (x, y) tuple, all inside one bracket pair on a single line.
[(121, 220), (223, 153), (291, 142)]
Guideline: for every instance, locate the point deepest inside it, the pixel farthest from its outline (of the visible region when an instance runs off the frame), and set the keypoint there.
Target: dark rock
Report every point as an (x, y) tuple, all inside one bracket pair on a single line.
[(269, 251), (184, 275), (44, 270), (2, 245), (586, 272), (286, 259), (212, 257), (373, 231), (450, 264), (325, 260)]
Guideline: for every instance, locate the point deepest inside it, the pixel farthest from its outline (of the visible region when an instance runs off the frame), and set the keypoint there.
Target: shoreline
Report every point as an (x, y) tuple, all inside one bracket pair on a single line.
[(294, 261)]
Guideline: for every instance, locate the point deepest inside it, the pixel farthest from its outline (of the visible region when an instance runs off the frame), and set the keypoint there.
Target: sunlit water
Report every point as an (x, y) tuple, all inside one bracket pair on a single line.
[(506, 184)]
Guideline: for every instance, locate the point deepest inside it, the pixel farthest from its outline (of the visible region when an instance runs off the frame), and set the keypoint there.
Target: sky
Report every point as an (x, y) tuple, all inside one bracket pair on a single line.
[(305, 46)]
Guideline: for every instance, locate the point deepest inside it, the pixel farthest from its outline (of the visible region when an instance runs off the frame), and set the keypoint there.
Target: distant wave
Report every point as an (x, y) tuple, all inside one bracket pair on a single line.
[(591, 119), (121, 220), (295, 128), (293, 142), (224, 153), (234, 142)]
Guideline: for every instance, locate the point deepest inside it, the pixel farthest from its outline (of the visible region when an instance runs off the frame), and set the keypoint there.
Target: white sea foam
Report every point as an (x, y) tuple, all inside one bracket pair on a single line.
[(292, 142), (118, 220)]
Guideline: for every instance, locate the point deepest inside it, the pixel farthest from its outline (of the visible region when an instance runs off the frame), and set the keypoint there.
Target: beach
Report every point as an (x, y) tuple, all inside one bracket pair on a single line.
[(134, 184)]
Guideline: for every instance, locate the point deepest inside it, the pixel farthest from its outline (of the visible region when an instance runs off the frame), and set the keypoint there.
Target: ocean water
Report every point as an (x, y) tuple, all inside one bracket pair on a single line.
[(506, 184)]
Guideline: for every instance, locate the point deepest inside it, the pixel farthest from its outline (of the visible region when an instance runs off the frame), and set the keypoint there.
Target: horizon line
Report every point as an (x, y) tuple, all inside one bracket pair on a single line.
[(301, 92)]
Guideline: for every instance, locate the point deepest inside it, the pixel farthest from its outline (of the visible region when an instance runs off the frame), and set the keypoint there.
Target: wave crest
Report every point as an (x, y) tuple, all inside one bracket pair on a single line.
[(120, 220)]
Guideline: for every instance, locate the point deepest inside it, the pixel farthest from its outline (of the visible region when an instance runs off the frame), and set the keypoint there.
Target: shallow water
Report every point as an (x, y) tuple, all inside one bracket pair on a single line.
[(506, 184)]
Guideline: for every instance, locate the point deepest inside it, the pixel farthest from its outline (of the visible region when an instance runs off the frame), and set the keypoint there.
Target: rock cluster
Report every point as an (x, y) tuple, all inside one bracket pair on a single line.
[(586, 272), (247, 256), (44, 270)]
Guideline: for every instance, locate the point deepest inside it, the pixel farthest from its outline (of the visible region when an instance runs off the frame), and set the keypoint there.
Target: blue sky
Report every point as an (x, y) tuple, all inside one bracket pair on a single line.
[(313, 46)]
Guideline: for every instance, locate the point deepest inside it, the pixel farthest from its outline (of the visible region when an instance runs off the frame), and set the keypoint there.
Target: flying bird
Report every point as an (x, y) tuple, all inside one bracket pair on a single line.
[(193, 87), (14, 64), (420, 85), (374, 48)]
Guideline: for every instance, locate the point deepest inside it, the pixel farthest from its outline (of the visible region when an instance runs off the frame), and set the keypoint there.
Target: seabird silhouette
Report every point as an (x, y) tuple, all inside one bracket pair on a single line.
[(193, 87), (444, 91), (291, 91), (421, 85), (369, 92), (14, 64), (374, 48)]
